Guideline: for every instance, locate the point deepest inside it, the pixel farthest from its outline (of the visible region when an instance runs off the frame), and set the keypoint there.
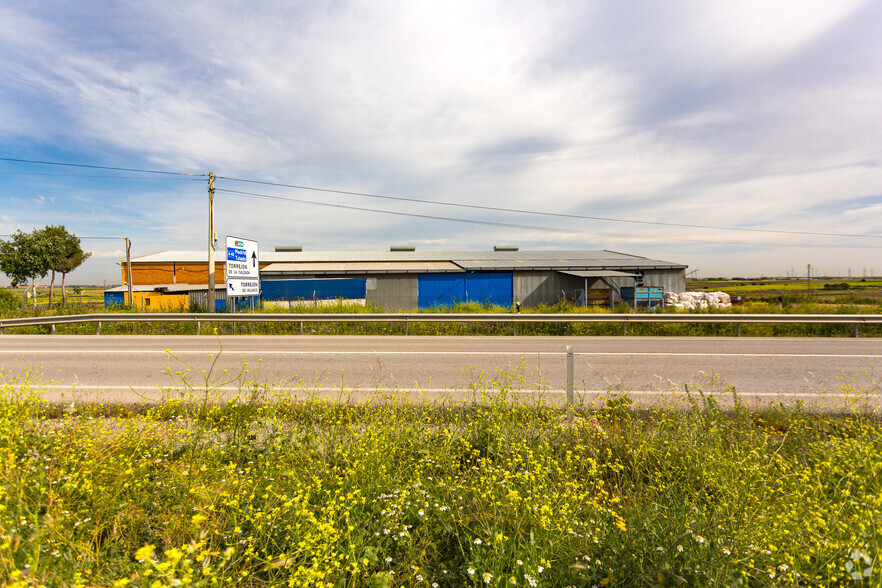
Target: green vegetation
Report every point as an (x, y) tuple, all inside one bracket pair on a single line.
[(9, 302), (278, 487), (30, 256), (784, 292), (481, 328)]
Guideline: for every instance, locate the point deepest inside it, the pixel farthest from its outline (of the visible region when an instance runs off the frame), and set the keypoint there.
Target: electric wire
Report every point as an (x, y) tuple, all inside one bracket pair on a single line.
[(462, 205), (6, 173), (128, 169), (79, 237), (549, 214), (524, 226)]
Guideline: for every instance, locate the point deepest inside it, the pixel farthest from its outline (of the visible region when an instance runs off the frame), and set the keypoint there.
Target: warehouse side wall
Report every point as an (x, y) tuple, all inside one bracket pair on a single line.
[(543, 287), (393, 292), (174, 273), (671, 280)]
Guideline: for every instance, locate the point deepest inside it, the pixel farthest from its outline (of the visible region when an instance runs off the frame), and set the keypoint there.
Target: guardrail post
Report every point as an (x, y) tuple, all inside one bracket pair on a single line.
[(405, 326), (52, 329), (737, 329), (855, 332), (301, 327), (624, 329), (569, 382), (98, 330), (198, 328)]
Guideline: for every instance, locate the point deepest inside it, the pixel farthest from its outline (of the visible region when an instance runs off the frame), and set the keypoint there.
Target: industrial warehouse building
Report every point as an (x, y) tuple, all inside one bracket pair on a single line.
[(405, 279)]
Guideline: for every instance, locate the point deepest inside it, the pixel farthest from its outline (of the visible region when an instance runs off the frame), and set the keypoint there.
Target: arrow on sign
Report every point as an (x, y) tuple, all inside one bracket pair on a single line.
[(231, 285), (253, 258)]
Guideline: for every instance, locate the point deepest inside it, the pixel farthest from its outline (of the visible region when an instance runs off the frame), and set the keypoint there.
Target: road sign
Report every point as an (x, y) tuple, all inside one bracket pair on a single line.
[(242, 261), (243, 267), (236, 287)]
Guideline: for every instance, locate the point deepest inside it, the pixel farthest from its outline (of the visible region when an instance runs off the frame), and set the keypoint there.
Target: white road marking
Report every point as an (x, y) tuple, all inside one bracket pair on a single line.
[(466, 352)]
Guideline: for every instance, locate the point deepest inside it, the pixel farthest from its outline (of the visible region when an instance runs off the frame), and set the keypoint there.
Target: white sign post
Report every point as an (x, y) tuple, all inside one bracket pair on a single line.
[(243, 268)]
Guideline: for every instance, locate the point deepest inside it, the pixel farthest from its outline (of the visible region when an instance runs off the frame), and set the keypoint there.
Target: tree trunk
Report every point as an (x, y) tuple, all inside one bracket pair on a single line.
[(63, 291), (51, 289), (34, 294)]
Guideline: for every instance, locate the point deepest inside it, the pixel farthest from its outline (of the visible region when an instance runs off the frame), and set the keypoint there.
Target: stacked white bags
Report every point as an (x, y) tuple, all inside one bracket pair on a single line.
[(697, 300)]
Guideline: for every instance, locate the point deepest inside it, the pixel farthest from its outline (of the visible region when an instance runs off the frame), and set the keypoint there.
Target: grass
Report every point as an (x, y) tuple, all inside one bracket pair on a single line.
[(276, 487), (787, 291), (525, 329)]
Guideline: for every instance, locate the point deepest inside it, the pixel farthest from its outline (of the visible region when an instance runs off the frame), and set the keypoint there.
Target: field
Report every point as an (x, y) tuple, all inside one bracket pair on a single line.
[(76, 295), (276, 490), (789, 291)]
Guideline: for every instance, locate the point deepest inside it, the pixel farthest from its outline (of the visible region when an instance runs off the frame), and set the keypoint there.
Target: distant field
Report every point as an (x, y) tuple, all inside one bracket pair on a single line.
[(835, 289), (89, 295)]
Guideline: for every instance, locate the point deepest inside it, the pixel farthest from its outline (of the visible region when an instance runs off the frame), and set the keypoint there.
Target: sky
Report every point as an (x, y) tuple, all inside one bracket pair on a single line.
[(740, 138)]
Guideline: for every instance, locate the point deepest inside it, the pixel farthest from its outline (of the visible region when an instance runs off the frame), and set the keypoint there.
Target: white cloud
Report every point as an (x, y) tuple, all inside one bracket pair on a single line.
[(751, 113)]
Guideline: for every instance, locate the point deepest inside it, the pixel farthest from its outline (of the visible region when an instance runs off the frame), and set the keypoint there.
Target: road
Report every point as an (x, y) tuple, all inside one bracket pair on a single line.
[(651, 369)]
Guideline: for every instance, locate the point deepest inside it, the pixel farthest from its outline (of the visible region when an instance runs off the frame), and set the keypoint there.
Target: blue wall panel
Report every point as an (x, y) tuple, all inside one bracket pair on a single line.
[(481, 287), (313, 289), (441, 289), (243, 304), (114, 299)]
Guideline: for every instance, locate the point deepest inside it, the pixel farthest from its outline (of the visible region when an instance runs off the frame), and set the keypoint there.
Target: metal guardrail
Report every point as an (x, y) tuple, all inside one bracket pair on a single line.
[(406, 318)]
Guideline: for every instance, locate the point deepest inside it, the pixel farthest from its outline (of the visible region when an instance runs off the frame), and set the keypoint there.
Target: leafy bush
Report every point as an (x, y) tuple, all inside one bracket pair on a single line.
[(8, 301)]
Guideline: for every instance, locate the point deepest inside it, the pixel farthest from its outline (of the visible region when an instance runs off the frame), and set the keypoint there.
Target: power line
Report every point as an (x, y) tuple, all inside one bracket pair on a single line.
[(6, 173), (81, 238), (453, 204), (128, 169), (523, 226), (549, 214)]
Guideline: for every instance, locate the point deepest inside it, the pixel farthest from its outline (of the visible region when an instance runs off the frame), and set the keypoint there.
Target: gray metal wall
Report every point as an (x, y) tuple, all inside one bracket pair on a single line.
[(200, 297), (394, 292), (400, 292), (672, 280), (533, 288)]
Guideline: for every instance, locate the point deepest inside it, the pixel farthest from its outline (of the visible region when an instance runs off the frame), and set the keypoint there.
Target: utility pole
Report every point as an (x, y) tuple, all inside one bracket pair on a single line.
[(129, 269), (808, 275), (211, 302)]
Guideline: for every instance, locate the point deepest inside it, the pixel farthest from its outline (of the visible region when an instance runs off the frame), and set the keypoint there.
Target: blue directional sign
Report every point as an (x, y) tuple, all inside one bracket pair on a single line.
[(243, 267)]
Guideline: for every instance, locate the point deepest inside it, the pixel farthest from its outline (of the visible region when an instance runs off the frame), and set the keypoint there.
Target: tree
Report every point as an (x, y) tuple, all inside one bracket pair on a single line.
[(27, 256), (68, 256), (54, 237)]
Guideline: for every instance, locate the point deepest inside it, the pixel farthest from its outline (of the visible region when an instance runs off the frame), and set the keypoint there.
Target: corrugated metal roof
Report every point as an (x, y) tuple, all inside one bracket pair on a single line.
[(360, 267), (470, 260), (600, 274), (136, 288), (219, 285)]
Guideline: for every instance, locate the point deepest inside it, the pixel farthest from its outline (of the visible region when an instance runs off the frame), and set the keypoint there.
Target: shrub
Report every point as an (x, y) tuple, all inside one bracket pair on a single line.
[(8, 300)]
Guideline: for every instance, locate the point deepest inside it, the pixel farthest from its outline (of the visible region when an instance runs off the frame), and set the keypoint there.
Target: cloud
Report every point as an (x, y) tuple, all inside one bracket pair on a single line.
[(111, 254), (749, 114)]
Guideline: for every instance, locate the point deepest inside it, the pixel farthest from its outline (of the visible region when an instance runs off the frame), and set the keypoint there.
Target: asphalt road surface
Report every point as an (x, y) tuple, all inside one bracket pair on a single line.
[(651, 369)]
